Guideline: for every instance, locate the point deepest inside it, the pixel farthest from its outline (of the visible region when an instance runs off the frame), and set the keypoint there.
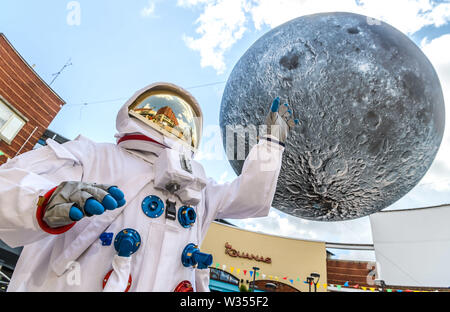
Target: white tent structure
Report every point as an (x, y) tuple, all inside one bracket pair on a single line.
[(412, 247)]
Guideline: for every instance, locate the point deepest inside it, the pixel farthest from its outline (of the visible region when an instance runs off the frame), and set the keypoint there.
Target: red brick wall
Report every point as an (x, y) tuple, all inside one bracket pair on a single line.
[(357, 272), (27, 93), (354, 272)]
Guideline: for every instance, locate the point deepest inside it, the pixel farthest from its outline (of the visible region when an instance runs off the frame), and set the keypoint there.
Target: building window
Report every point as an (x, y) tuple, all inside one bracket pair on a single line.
[(11, 122), (219, 275)]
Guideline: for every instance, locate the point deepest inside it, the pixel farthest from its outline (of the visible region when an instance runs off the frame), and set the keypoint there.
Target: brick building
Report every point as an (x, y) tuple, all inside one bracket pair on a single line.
[(355, 273), (27, 104)]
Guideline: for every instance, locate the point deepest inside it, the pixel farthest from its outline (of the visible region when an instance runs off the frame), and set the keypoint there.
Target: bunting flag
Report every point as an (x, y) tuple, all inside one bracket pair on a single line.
[(292, 280)]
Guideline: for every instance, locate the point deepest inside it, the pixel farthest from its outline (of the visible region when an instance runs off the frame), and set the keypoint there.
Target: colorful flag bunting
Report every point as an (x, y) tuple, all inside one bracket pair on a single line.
[(325, 286)]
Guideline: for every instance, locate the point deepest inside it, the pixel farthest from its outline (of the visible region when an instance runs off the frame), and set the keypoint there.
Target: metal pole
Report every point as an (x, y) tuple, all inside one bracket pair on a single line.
[(254, 277), (23, 145)]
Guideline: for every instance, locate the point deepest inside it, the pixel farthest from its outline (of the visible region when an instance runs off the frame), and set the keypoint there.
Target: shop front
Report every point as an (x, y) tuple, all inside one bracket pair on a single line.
[(246, 260)]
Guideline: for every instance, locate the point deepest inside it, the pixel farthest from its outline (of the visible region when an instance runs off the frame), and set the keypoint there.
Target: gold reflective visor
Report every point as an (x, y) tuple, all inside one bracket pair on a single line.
[(168, 113)]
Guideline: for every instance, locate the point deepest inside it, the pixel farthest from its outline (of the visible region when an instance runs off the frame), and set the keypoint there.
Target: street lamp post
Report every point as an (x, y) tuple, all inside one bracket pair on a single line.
[(313, 280), (309, 280), (254, 277)]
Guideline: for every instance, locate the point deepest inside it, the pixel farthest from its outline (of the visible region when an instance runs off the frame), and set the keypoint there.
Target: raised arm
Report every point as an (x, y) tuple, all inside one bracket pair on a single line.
[(250, 195)]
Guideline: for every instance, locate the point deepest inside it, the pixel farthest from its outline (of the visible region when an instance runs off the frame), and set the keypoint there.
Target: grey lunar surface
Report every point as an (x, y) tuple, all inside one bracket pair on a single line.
[(369, 102)]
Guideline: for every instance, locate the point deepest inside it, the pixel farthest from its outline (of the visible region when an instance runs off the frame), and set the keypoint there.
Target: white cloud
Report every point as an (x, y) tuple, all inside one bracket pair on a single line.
[(221, 25), (223, 22), (149, 10), (278, 223), (438, 177)]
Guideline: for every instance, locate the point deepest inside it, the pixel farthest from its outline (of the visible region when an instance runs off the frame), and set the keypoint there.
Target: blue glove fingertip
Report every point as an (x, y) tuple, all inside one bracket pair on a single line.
[(297, 122), (116, 193), (109, 203), (93, 207), (275, 105), (75, 214), (121, 203)]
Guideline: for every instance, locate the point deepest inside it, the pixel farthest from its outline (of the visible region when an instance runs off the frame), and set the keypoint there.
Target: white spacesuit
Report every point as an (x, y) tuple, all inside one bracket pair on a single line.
[(148, 243)]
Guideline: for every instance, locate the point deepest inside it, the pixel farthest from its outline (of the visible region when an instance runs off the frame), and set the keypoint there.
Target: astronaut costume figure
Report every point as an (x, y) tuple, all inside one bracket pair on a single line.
[(130, 216)]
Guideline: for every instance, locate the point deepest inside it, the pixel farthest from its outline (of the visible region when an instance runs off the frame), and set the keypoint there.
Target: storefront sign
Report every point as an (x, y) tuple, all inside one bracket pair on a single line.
[(238, 254)]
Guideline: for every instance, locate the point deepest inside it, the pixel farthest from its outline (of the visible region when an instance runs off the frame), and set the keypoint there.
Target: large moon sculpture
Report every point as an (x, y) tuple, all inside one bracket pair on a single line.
[(370, 106)]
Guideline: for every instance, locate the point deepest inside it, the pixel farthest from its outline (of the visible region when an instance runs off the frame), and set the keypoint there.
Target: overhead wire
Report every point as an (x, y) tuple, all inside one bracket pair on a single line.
[(125, 98)]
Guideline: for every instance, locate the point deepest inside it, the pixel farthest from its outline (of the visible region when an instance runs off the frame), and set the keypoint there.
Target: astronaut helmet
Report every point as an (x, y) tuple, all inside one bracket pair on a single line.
[(158, 116)]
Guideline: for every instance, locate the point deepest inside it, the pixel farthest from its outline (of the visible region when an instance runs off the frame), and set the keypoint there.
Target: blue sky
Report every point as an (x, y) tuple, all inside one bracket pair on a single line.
[(121, 46)]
